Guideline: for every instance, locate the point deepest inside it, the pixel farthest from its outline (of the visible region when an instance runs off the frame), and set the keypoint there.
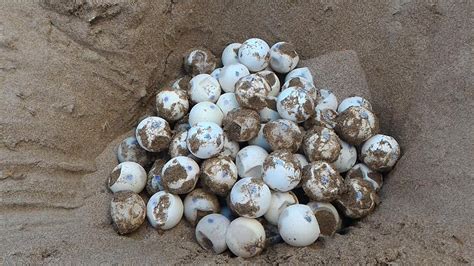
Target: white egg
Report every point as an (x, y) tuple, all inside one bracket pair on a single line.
[(250, 197), (199, 61), (216, 73), (231, 148), (245, 237), (327, 216), (254, 54), (227, 102), (362, 171), (328, 100), (205, 139), (304, 84), (180, 175), (128, 211), (356, 125), (211, 231), (321, 182), (130, 151), (218, 174), (172, 104), (280, 200), (178, 146), (198, 204), (301, 160), (230, 74), (302, 72), (204, 88), (354, 101), (380, 152), (205, 112), (260, 140), (281, 171), (347, 157), (295, 104), (127, 176), (298, 226), (230, 55), (153, 134), (267, 115), (272, 80), (252, 92), (321, 143), (250, 160), (283, 134), (283, 57), (164, 210)]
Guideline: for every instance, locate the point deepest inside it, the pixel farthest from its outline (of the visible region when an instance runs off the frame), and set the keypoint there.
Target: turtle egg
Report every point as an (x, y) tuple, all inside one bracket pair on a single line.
[(153, 183), (301, 160), (358, 201), (128, 211), (127, 176), (302, 72), (242, 124), (205, 139), (272, 80), (231, 147), (354, 101), (298, 226), (270, 112), (328, 100), (199, 61), (198, 204), (280, 200), (356, 124), (283, 57), (178, 145), (245, 237), (164, 210), (130, 151), (281, 171), (361, 171), (180, 83), (206, 112), (227, 102), (216, 73), (260, 140), (230, 55), (204, 88), (254, 54), (321, 182), (380, 152), (304, 84), (230, 74), (322, 118), (250, 160), (321, 143), (328, 218), (172, 104), (252, 92), (219, 174), (211, 231), (347, 157), (283, 134), (295, 104), (180, 175), (250, 197), (153, 134)]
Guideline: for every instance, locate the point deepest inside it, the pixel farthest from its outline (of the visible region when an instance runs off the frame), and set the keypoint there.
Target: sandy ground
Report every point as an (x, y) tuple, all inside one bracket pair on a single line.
[(76, 76)]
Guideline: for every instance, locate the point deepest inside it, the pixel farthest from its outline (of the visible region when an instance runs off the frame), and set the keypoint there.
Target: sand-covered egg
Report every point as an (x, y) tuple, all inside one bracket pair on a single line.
[(358, 201), (347, 157), (302, 72), (153, 134), (249, 161), (281, 171), (356, 124), (204, 88), (328, 100), (362, 171), (250, 197), (164, 210), (270, 112), (283, 134), (127, 176), (180, 175), (227, 102), (199, 203), (328, 218), (205, 140), (210, 232), (283, 57), (231, 147), (295, 104), (230, 74), (272, 80), (230, 54), (280, 200), (380, 152), (205, 112), (245, 237), (254, 53), (242, 124), (171, 104), (260, 140), (302, 83), (199, 61), (321, 182), (129, 150), (298, 226), (128, 211), (320, 143), (252, 92), (321, 118), (153, 183), (354, 101), (178, 146), (219, 174)]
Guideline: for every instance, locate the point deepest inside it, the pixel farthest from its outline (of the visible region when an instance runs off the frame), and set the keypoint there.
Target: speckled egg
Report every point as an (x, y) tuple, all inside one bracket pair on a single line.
[(210, 232), (153, 183), (321, 182), (216, 73), (298, 226), (302, 72), (295, 104), (230, 55), (362, 171), (249, 161), (270, 112), (304, 84), (250, 197), (354, 101), (245, 237), (199, 61), (227, 102), (252, 92), (172, 104), (356, 125), (127, 176), (380, 152), (281, 171), (198, 204), (153, 134), (358, 201), (219, 174), (204, 88), (128, 211), (283, 134), (260, 140), (280, 200), (230, 75), (328, 100), (272, 80), (242, 124), (254, 53), (130, 151), (283, 57), (180, 175), (347, 157), (205, 140), (328, 218), (205, 112), (231, 148), (178, 146), (164, 210), (321, 118), (321, 143)]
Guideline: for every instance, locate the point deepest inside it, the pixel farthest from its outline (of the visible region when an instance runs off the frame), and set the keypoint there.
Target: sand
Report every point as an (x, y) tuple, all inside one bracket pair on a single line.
[(75, 77)]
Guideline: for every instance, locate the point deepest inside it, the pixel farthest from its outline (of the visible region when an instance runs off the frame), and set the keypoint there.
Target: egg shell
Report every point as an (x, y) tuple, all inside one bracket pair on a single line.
[(227, 102), (219, 174), (199, 61), (304, 84), (254, 53), (347, 157), (128, 211), (298, 226), (283, 57), (281, 171), (321, 182), (230, 55), (216, 73), (153, 134), (180, 175), (230, 74), (280, 200), (130, 151), (204, 88), (302, 72), (178, 146), (210, 232), (249, 161), (205, 112), (199, 203), (272, 80), (362, 171), (252, 92), (127, 176), (241, 124), (180, 83), (164, 210), (358, 201), (153, 183), (283, 134), (356, 125), (354, 101), (321, 143), (380, 152), (260, 140), (295, 104), (245, 237), (231, 147), (328, 218), (250, 197), (205, 140), (322, 118), (328, 100), (172, 104)]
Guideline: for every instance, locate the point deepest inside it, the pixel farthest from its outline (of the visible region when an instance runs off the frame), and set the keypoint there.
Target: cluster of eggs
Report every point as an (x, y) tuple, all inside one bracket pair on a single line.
[(245, 153)]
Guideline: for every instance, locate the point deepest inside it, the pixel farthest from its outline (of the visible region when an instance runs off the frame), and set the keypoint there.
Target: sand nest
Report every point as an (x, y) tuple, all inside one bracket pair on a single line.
[(76, 76)]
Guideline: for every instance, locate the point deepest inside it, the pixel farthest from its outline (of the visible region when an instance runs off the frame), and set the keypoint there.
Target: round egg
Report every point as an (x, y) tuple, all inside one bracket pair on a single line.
[(199, 61), (204, 88), (153, 183), (252, 92), (178, 145), (380, 152), (231, 147), (127, 176), (321, 118), (210, 232), (283, 134), (153, 134), (230, 55), (302, 72), (219, 174), (260, 140), (270, 112), (198, 204), (328, 218), (216, 73), (249, 161), (172, 104), (205, 112), (362, 171), (164, 210), (347, 157), (227, 102), (242, 124), (205, 140), (283, 57), (245, 237), (354, 101), (356, 124), (250, 197), (180, 175), (298, 226), (305, 85), (230, 74), (358, 201), (272, 80), (295, 104), (128, 211), (254, 53), (130, 151), (321, 182), (281, 171), (328, 100), (280, 200), (321, 143)]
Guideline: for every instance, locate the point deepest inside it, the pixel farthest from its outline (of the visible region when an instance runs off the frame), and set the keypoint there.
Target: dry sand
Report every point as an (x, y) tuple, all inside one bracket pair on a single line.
[(75, 77)]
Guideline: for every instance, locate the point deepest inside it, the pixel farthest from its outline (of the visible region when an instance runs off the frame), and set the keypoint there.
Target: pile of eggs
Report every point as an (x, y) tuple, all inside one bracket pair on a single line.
[(251, 153)]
